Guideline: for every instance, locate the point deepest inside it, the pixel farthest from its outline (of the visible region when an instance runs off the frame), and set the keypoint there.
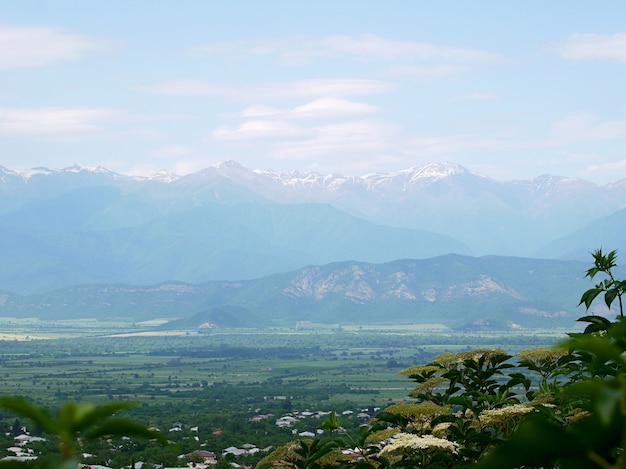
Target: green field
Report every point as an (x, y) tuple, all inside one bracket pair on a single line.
[(219, 379), (55, 361)]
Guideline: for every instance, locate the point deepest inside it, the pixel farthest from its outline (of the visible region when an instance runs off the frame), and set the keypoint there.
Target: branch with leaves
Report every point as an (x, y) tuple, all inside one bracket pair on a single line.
[(73, 424)]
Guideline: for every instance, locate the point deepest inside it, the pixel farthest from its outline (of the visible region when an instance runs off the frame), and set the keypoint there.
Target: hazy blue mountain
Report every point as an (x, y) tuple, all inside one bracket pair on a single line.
[(88, 225), (459, 291), (492, 217), (607, 233), (107, 234)]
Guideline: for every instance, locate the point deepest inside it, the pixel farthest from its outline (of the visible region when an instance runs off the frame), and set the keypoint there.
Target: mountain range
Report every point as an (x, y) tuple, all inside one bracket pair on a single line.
[(83, 226), (461, 292)]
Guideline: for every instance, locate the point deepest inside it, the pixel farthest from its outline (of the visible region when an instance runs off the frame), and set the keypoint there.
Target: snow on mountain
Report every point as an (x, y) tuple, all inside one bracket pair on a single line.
[(549, 184), (408, 179), (492, 217), (77, 169), (26, 174), (415, 177), (163, 176), (403, 179)]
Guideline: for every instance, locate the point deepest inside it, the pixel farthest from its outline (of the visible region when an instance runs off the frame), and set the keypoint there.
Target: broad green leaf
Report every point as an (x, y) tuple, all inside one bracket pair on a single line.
[(599, 347), (88, 415), (10, 464), (590, 295), (123, 427), (40, 416), (600, 320), (332, 422), (536, 443), (610, 296)]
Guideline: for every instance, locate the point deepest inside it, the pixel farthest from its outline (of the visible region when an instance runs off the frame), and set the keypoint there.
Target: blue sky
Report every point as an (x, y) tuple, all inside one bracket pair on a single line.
[(510, 90)]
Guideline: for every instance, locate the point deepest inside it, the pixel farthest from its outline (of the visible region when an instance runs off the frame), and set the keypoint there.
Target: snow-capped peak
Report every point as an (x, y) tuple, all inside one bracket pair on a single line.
[(164, 176), (436, 170), (79, 168), (26, 174), (228, 165)]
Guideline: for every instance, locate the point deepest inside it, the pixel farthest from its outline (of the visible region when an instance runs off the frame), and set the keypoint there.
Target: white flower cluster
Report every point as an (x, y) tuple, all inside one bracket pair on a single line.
[(441, 428), (498, 416), (403, 441)]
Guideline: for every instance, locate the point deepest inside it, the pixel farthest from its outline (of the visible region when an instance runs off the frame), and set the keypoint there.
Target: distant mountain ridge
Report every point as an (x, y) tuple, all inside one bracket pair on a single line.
[(458, 291), (82, 225)]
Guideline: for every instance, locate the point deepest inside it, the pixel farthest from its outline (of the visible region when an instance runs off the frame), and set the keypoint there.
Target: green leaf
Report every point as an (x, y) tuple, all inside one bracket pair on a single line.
[(606, 397), (87, 415), (590, 295), (537, 442), (332, 422), (600, 320), (600, 348), (124, 427), (596, 324), (610, 296), (13, 464), (40, 416)]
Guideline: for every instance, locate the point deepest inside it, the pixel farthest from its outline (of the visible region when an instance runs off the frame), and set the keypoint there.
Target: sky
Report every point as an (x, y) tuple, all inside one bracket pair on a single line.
[(510, 90)]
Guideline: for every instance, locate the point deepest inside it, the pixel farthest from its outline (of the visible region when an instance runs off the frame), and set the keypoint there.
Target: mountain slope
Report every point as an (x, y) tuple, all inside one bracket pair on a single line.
[(98, 235), (459, 291), (491, 217), (607, 232)]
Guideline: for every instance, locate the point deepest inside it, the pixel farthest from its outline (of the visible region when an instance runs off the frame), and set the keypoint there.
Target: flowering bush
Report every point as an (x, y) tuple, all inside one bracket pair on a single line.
[(561, 407)]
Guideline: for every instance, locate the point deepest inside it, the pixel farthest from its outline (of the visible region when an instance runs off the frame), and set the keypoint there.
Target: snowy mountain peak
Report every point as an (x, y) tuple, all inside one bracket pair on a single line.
[(406, 177), (26, 174), (415, 176), (229, 165), (437, 170), (164, 176), (79, 168)]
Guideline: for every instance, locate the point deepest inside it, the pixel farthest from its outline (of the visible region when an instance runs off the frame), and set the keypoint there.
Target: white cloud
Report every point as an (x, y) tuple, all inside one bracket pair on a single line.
[(300, 49), (585, 127), (434, 145), (275, 90), (323, 108), (365, 139), (432, 71), (71, 122), (329, 108), (22, 47), (53, 121), (260, 110), (594, 46), (191, 88), (481, 96), (605, 171), (255, 129), (261, 121)]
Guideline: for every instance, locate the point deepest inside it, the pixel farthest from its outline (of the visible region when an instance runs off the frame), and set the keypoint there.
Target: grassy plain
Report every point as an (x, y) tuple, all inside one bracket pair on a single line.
[(54, 361)]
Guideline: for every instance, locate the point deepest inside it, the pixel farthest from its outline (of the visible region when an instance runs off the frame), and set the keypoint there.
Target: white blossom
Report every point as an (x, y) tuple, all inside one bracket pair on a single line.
[(403, 441)]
